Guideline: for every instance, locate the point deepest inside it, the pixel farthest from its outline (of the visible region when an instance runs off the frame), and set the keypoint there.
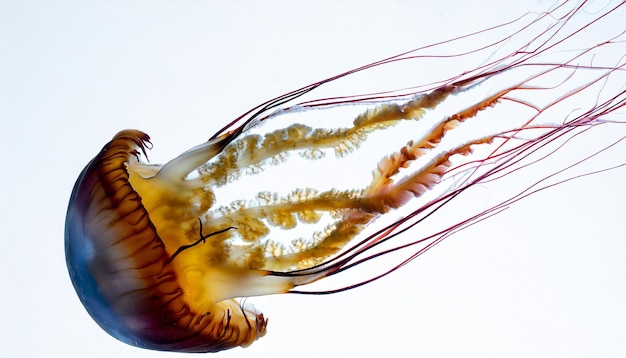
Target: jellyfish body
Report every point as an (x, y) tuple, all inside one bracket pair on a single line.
[(120, 269), (158, 259)]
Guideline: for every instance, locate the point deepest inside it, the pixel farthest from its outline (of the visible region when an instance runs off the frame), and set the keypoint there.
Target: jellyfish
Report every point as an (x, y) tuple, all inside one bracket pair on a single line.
[(161, 255)]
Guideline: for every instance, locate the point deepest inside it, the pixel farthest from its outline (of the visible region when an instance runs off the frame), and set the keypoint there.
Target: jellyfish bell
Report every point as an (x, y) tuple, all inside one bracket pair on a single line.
[(158, 257), (122, 271)]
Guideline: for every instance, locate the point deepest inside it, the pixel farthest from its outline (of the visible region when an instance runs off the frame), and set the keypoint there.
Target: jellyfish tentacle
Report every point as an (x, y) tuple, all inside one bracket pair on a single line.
[(354, 208), (383, 194), (202, 239), (356, 215), (282, 212), (181, 166), (253, 150)]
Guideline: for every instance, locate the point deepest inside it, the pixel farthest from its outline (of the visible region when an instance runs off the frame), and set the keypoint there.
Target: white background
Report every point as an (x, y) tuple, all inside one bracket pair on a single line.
[(545, 279)]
